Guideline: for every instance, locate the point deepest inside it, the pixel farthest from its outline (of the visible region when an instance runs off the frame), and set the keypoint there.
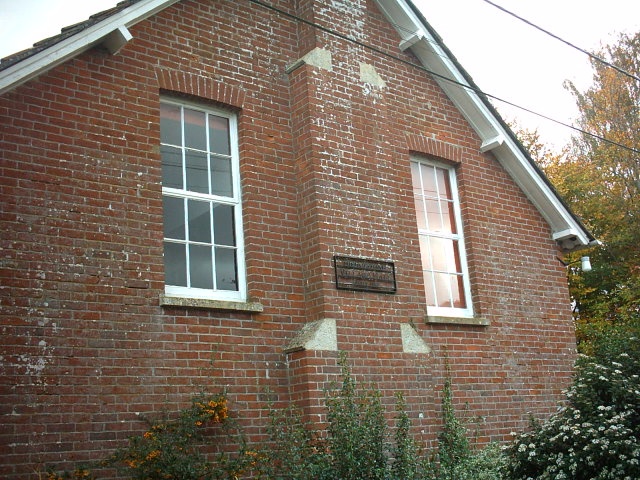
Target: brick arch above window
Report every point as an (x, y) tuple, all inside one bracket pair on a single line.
[(436, 148), (203, 87)]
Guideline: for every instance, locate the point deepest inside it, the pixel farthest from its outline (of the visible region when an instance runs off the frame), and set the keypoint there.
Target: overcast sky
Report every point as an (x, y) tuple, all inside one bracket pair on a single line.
[(506, 57)]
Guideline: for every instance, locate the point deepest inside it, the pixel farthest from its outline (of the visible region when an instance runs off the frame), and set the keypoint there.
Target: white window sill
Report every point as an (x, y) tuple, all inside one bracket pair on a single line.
[(229, 305), (458, 320)]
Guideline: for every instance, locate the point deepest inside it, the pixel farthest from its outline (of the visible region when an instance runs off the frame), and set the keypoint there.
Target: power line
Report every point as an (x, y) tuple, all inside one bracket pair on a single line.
[(435, 74), (595, 57)]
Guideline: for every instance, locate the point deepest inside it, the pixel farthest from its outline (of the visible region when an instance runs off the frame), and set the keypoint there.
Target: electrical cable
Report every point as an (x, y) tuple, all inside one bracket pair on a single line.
[(581, 50), (435, 74)]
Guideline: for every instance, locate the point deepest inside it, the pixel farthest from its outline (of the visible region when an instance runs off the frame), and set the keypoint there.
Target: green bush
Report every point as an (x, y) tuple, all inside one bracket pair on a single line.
[(175, 448), (294, 450), (596, 435), (355, 445), (357, 431), (408, 460), (456, 459)]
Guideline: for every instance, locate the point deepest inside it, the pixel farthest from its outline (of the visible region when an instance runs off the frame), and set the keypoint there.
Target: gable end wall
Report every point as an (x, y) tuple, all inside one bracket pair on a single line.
[(324, 157)]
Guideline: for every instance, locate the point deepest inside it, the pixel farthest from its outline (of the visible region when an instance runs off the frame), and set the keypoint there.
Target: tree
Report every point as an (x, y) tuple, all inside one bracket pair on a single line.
[(600, 180)]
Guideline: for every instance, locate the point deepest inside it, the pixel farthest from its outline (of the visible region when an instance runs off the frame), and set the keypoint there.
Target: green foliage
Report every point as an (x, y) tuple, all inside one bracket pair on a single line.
[(596, 435), (453, 447), (356, 431), (457, 459), (294, 450), (408, 462), (356, 444), (80, 473), (601, 183), (174, 448)]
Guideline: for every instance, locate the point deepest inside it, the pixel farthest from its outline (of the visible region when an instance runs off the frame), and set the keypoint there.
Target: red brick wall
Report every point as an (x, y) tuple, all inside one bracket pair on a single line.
[(325, 171)]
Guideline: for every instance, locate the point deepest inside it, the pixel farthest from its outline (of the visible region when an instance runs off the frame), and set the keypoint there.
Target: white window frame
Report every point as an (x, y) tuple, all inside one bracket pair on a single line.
[(437, 311), (239, 295)]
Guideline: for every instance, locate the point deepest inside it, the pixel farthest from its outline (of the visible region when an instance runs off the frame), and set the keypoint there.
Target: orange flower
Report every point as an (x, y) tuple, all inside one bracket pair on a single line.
[(153, 454)]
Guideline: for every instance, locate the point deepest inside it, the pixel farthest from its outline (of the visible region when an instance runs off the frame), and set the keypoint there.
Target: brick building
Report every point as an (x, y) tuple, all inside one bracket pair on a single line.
[(227, 193)]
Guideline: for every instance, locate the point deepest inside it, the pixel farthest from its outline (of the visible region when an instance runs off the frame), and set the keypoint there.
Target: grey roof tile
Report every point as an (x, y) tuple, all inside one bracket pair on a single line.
[(65, 33)]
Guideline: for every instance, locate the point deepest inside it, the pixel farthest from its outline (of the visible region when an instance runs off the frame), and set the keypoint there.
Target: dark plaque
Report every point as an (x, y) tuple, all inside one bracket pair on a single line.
[(364, 275)]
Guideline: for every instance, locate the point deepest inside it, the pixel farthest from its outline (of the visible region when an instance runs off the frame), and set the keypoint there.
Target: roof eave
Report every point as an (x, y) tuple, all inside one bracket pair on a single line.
[(112, 32), (494, 133)]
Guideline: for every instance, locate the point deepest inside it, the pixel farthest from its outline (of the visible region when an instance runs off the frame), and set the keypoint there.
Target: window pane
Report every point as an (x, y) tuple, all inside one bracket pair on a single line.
[(457, 292), (201, 267), (425, 252), (434, 221), (195, 135), (429, 288), (173, 217), (221, 183), (224, 225), (448, 217), (219, 135), (457, 266), (444, 188), (171, 166), (428, 180), (199, 221), (442, 286), (420, 213), (175, 264), (415, 177), (226, 269), (170, 131), (440, 248), (197, 178)]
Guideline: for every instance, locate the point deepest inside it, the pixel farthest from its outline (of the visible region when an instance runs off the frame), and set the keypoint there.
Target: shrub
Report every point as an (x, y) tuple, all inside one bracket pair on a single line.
[(80, 473), (294, 450), (355, 445), (596, 435), (175, 448), (409, 462), (356, 431), (457, 460)]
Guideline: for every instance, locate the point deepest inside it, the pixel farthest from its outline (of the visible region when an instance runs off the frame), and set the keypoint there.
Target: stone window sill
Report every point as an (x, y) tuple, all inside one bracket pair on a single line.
[(173, 301), (458, 320)]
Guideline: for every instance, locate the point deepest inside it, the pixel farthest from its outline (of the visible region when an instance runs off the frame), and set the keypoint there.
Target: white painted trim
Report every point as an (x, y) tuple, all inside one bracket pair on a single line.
[(235, 201), (466, 312), (62, 51), (116, 40), (492, 134), (409, 42), (491, 143), (414, 35)]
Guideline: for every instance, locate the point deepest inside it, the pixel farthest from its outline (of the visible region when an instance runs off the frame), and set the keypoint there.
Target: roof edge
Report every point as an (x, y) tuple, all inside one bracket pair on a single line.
[(69, 46), (496, 135)]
